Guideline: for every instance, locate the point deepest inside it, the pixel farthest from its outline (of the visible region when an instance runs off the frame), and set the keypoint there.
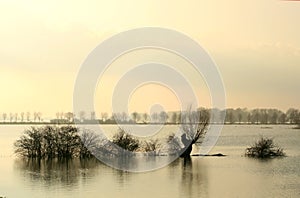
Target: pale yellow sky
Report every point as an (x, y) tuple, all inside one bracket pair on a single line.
[(255, 44)]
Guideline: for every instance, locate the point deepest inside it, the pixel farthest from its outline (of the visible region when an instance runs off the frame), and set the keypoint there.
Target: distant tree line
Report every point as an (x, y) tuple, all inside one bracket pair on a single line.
[(232, 116), (21, 117), (262, 116)]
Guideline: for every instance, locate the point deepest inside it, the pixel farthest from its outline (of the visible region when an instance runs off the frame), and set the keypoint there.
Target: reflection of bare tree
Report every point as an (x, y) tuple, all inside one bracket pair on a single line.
[(194, 178), (56, 172)]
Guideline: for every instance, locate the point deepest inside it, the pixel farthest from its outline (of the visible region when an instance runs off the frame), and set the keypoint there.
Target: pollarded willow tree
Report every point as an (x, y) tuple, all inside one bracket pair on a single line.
[(194, 126)]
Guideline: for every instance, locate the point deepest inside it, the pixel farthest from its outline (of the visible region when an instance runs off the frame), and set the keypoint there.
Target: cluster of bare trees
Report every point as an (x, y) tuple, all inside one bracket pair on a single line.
[(262, 116), (55, 142), (21, 117)]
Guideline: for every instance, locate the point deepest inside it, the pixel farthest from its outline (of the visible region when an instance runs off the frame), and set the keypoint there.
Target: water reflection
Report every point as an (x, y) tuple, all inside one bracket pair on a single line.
[(53, 172), (194, 179), (186, 177)]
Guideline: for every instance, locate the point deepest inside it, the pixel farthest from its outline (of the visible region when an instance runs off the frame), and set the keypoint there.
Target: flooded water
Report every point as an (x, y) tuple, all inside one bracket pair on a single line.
[(230, 176)]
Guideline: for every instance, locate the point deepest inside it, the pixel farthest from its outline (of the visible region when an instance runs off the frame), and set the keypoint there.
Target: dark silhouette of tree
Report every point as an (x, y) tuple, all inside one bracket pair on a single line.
[(69, 116), (179, 116), (82, 116), (57, 142), (194, 128), (30, 144), (16, 117), (274, 118), (154, 117), (39, 116), (104, 116), (135, 117), (28, 116), (151, 146), (239, 113), (22, 116), (93, 115), (255, 116), (4, 116), (57, 115), (282, 118), (174, 117), (264, 148), (125, 141), (124, 117), (89, 144), (229, 116), (249, 118), (145, 117), (264, 118), (163, 117), (293, 115), (11, 117), (35, 116), (173, 144)]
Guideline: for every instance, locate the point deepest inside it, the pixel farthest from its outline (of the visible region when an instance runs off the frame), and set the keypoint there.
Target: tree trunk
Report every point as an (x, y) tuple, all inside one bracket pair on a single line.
[(186, 151)]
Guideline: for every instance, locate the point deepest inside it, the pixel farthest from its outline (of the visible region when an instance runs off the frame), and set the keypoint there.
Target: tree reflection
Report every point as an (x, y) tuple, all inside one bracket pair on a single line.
[(194, 180), (66, 172)]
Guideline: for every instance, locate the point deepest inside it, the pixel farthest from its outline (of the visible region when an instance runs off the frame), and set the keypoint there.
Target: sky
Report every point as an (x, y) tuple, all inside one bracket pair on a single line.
[(254, 43)]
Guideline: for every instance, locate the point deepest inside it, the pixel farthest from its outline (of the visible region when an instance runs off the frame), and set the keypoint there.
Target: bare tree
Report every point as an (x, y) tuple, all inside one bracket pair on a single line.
[(174, 117), (69, 116), (124, 116), (88, 144), (154, 117), (4, 116), (22, 116), (82, 116), (135, 117), (104, 116), (28, 116), (35, 116), (194, 128), (151, 146), (93, 115), (57, 115), (11, 116), (39, 116), (145, 117), (163, 116), (240, 118), (16, 117)]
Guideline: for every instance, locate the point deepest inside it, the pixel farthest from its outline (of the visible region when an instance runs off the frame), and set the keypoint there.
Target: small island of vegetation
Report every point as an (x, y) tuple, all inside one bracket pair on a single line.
[(264, 148)]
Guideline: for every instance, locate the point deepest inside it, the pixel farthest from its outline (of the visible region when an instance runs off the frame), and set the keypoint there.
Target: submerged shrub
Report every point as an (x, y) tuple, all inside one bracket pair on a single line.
[(55, 142), (125, 141), (89, 144), (264, 148), (151, 145)]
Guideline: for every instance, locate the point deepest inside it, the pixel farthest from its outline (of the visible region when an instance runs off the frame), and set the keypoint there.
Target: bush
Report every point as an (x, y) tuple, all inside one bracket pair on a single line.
[(151, 147), (125, 141), (264, 148), (55, 142)]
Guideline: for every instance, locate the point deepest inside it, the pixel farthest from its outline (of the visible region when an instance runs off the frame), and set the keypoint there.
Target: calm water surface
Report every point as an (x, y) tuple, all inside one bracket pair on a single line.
[(231, 176)]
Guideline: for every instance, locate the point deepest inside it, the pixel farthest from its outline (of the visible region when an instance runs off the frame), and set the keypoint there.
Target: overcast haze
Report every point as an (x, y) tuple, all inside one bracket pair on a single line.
[(256, 45)]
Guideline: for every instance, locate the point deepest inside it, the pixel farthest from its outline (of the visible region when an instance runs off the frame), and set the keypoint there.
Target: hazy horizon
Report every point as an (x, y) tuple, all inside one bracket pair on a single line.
[(255, 44)]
